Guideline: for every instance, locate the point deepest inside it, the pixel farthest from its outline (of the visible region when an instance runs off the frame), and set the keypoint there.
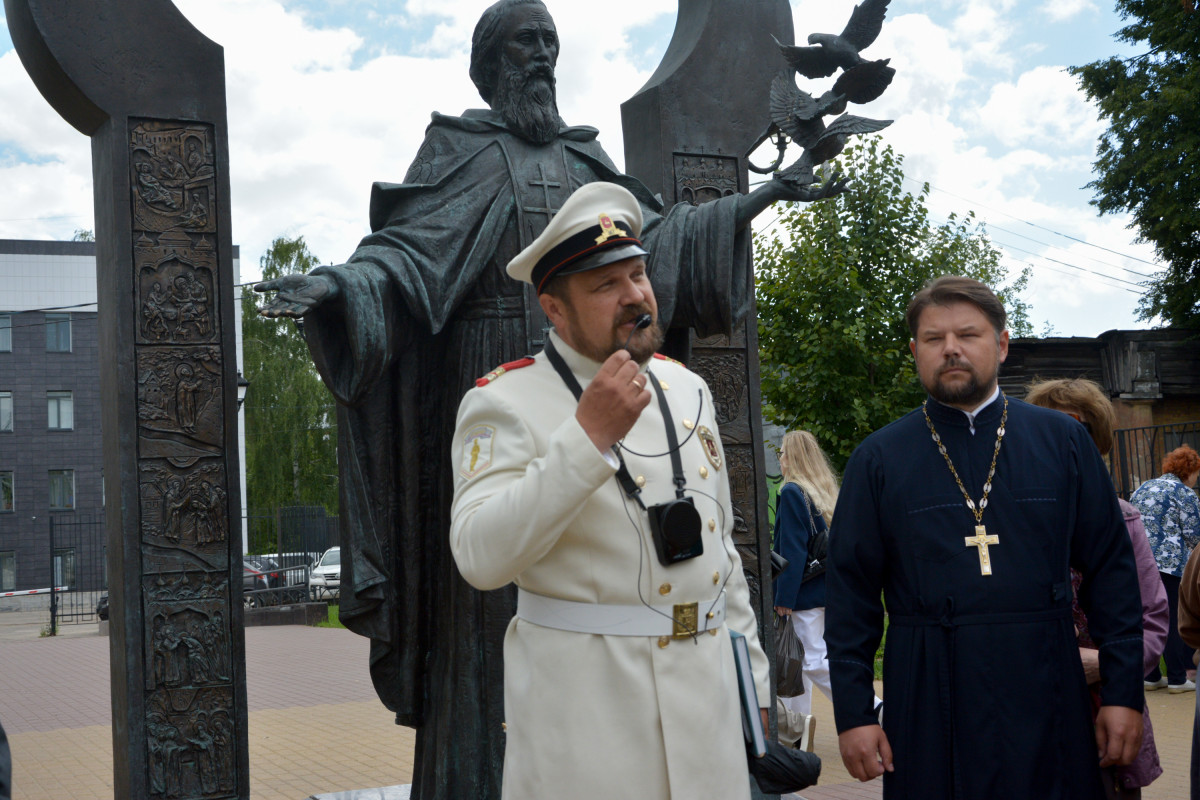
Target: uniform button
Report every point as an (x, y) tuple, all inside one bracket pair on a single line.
[(712, 632), (664, 385), (712, 524), (663, 641), (710, 615), (504, 726), (704, 472), (687, 423), (665, 589), (640, 480), (716, 577)]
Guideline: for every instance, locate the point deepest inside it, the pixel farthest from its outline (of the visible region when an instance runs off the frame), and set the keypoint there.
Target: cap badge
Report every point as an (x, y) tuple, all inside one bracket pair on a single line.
[(608, 229)]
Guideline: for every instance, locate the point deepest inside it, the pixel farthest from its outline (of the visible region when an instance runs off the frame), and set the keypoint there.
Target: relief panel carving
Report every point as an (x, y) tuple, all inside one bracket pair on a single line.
[(725, 374), (176, 291), (700, 177), (173, 175), (191, 741), (179, 403), (185, 508)]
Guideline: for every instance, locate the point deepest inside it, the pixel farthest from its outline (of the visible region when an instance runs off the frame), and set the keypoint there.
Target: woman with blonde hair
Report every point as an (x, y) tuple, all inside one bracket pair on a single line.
[(806, 502), (1086, 402)]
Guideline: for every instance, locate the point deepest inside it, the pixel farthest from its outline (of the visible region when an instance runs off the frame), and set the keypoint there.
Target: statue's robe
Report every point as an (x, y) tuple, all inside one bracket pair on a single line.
[(425, 308), (984, 692)]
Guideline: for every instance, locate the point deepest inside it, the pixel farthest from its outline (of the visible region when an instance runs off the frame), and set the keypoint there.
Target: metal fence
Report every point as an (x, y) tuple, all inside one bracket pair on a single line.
[(293, 537), (1138, 452), (78, 565)]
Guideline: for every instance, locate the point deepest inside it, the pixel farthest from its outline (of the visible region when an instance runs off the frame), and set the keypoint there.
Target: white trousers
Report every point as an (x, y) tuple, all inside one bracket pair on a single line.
[(809, 625)]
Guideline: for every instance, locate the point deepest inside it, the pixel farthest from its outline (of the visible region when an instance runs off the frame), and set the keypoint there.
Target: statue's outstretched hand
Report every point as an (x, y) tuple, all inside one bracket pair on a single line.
[(808, 193), (296, 295), (783, 189)]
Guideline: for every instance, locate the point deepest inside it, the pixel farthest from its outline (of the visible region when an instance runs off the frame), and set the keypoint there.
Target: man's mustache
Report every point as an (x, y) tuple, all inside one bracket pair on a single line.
[(955, 364)]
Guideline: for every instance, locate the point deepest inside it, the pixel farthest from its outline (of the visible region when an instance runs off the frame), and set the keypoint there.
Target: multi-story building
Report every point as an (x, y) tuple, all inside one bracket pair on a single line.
[(51, 466)]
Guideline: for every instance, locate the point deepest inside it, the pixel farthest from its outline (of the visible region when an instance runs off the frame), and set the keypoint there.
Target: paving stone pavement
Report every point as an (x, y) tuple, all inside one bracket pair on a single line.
[(315, 725)]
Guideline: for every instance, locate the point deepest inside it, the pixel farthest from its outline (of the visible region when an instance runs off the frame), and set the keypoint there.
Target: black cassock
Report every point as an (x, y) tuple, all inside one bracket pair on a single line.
[(984, 693)]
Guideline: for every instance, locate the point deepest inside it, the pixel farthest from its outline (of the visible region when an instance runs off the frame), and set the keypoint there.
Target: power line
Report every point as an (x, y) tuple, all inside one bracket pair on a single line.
[(1035, 225)]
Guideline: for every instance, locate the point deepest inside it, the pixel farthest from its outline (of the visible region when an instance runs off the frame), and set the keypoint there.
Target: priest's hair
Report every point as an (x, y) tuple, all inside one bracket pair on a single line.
[(805, 464), (950, 289)]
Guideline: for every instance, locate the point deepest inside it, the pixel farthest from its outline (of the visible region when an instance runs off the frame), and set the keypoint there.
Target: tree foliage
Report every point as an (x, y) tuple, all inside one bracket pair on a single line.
[(833, 281), (1146, 160), (291, 419)]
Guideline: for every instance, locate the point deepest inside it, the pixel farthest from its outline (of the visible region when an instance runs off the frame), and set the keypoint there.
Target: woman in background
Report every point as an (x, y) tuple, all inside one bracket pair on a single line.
[(1085, 401), (1171, 512), (806, 501)]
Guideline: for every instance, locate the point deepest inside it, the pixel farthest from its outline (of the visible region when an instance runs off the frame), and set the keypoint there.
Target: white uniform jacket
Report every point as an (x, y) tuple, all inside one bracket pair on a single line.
[(588, 715)]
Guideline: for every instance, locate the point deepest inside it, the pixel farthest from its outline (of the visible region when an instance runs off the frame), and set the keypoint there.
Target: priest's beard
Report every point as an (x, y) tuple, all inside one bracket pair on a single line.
[(971, 393), (526, 99)]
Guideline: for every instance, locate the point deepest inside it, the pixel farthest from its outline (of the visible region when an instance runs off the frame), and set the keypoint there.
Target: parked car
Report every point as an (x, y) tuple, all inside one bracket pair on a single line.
[(325, 576), (261, 573), (102, 607)]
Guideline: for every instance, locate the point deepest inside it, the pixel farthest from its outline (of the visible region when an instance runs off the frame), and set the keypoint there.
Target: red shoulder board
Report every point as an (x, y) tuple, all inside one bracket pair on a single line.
[(503, 368), (661, 357)]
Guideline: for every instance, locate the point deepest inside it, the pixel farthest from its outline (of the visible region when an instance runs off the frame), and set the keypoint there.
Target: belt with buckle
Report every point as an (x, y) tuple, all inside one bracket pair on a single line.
[(678, 621)]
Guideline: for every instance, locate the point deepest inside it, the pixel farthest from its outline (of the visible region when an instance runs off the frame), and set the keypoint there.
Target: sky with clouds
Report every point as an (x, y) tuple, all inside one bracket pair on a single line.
[(326, 96)]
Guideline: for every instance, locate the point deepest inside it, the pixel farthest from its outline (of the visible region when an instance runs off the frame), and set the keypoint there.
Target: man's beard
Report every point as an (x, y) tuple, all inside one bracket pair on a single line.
[(971, 393), (644, 343), (526, 99)]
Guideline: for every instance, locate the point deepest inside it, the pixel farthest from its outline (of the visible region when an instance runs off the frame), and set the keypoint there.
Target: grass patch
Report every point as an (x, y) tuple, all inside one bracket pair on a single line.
[(333, 621), (879, 652)]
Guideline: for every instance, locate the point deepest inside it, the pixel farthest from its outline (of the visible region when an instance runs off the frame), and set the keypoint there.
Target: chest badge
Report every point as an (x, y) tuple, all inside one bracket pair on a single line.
[(477, 450), (709, 442)]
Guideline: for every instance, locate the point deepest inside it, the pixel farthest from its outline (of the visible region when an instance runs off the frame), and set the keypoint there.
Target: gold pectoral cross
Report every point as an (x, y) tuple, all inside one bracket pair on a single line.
[(981, 540)]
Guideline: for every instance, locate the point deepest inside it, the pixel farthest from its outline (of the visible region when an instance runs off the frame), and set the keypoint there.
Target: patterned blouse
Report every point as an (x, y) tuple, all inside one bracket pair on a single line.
[(1171, 514)]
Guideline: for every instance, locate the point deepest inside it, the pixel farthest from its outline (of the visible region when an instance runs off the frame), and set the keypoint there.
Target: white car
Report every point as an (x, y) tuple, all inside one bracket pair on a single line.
[(325, 577)]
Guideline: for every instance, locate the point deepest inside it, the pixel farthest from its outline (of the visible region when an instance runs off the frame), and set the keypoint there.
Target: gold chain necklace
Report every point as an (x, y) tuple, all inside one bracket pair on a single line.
[(980, 540)]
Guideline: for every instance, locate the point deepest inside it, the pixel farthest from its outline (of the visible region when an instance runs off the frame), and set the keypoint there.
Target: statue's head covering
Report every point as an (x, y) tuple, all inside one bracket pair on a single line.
[(599, 224), (486, 44)]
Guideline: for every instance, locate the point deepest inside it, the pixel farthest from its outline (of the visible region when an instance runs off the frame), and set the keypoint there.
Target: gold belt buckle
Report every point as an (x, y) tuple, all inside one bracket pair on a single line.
[(687, 619)]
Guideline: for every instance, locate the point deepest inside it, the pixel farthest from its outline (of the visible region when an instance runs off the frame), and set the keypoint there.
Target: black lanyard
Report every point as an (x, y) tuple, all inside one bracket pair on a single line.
[(623, 477)]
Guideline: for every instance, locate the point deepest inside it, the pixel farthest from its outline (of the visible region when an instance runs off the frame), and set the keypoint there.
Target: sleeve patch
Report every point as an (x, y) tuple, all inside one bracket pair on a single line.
[(503, 368), (477, 450)]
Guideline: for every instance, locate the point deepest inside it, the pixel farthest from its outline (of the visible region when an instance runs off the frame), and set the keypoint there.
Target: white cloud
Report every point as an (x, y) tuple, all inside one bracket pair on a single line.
[(1044, 108), (1063, 10)]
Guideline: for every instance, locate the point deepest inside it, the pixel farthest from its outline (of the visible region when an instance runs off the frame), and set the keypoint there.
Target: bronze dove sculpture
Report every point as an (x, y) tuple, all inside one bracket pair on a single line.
[(828, 52)]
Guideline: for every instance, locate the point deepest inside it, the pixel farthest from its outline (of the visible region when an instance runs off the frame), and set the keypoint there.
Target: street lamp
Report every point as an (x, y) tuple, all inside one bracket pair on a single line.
[(243, 386)]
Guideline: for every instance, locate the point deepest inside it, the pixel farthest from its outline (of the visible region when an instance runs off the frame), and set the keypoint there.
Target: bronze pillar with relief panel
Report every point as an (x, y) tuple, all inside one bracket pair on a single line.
[(149, 90), (688, 135)]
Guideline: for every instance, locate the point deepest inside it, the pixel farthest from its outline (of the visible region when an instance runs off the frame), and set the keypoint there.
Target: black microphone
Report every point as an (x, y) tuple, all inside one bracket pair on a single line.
[(639, 322)]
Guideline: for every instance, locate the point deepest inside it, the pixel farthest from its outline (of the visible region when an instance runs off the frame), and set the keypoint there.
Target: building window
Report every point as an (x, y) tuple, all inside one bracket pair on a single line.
[(58, 333), (8, 571), (5, 333), (6, 412), (6, 492), (60, 409), (62, 489)]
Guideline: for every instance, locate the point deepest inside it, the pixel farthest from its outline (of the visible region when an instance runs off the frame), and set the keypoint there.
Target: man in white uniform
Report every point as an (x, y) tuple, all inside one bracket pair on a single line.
[(619, 677)]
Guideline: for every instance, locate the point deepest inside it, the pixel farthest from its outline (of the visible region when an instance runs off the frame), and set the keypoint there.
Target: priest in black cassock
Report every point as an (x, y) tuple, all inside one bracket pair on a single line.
[(966, 515)]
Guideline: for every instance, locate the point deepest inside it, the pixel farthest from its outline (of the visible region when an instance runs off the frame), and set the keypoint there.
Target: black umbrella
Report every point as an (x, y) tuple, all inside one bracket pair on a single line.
[(784, 770)]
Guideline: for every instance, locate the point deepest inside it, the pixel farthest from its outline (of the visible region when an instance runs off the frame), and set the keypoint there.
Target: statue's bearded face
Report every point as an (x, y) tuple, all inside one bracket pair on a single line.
[(525, 94)]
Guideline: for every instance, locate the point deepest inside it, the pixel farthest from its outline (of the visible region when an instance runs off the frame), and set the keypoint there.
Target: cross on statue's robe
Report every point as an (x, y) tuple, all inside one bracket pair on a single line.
[(984, 689)]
